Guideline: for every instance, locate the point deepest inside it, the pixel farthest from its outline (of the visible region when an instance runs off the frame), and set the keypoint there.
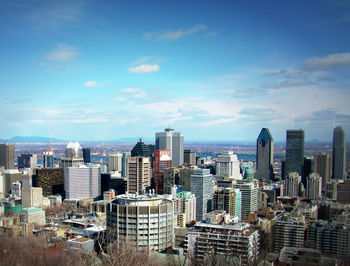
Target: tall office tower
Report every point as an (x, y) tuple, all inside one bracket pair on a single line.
[(51, 180), (227, 165), (115, 163), (339, 153), (249, 192), (32, 197), (314, 186), (190, 157), (7, 156), (73, 155), (283, 168), (82, 182), (86, 155), (229, 200), (202, 187), (162, 160), (185, 208), (288, 232), (185, 177), (343, 192), (125, 163), (292, 185), (264, 155), (173, 141), (170, 178), (145, 221), (308, 169), (48, 159), (140, 172), (27, 161), (294, 151), (323, 167), (141, 149)]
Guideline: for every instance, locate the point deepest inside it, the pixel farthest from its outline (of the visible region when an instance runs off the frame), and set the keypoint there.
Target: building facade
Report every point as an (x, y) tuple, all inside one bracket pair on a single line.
[(314, 186), (292, 185), (227, 165), (185, 208), (264, 155), (27, 161), (294, 151), (32, 197), (339, 153), (162, 160), (249, 198), (229, 200), (139, 174), (7, 156), (323, 167)]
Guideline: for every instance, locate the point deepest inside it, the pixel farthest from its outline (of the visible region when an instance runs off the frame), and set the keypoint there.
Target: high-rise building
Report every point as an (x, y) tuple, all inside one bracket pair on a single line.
[(170, 178), (48, 159), (308, 169), (7, 156), (323, 167), (11, 176), (185, 208), (190, 157), (227, 165), (292, 185), (145, 221), (27, 161), (82, 182), (51, 180), (32, 197), (264, 155), (173, 141), (125, 163), (141, 149), (115, 163), (294, 151), (86, 155), (343, 192), (339, 153), (185, 177), (73, 155), (161, 161), (249, 198), (229, 200), (202, 187), (139, 174), (314, 186)]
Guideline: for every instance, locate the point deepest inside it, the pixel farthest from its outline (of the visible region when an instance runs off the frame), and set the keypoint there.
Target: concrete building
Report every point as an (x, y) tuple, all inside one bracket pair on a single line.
[(185, 208), (314, 186), (323, 167), (82, 182), (264, 155), (11, 176), (343, 192), (249, 192), (139, 174), (146, 221), (32, 215), (32, 197), (339, 153), (51, 180), (48, 159), (292, 185), (227, 165), (185, 177), (81, 244), (162, 161), (230, 240), (7, 156), (125, 163), (202, 187), (173, 141), (288, 232), (190, 157), (170, 178), (115, 163), (229, 200), (27, 160), (294, 151), (16, 189), (73, 155)]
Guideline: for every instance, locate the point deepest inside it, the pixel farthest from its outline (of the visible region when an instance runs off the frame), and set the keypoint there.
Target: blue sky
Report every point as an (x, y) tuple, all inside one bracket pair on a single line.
[(214, 70)]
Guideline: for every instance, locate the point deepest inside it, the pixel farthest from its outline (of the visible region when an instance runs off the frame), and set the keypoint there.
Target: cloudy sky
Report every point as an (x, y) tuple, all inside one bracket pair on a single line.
[(215, 70)]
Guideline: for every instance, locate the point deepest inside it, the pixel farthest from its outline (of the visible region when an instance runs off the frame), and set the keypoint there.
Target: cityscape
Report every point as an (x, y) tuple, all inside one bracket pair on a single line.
[(175, 133)]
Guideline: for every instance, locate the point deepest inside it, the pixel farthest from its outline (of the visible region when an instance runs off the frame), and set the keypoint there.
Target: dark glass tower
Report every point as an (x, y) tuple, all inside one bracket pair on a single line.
[(141, 149), (264, 155), (339, 153), (87, 155), (294, 151)]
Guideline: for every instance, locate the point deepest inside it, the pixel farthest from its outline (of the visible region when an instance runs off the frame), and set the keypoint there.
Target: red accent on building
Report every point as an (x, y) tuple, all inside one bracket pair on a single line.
[(158, 166)]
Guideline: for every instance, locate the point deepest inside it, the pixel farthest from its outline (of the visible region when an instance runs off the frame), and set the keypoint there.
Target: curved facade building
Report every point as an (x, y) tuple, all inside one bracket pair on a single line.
[(145, 221)]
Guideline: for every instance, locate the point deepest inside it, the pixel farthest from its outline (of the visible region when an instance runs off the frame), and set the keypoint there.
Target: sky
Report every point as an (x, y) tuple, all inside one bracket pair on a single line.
[(214, 70)]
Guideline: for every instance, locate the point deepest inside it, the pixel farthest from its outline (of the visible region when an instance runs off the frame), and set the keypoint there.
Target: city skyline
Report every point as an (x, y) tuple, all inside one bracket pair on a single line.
[(102, 71)]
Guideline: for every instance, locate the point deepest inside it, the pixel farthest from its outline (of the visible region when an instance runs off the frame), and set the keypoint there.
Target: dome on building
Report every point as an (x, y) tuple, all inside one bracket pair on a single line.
[(248, 173)]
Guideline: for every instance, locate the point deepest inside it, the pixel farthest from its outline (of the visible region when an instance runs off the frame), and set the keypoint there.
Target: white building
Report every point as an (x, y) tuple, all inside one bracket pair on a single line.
[(227, 165), (249, 198), (291, 185), (314, 186), (32, 215), (82, 182), (173, 141), (115, 163), (32, 197)]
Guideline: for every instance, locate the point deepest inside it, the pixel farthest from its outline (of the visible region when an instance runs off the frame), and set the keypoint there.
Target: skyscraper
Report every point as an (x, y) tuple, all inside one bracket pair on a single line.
[(162, 160), (115, 162), (314, 186), (292, 185), (125, 163), (264, 155), (249, 198), (48, 159), (229, 200), (86, 155), (7, 156), (202, 187), (294, 151), (141, 149), (27, 161), (190, 157), (173, 141), (323, 166), (139, 174), (73, 155), (227, 165), (339, 153)]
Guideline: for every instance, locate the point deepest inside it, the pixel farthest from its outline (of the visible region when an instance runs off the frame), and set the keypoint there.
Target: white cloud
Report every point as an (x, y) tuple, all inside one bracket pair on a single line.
[(62, 53), (177, 34), (133, 92), (327, 62), (144, 69), (89, 121), (91, 84)]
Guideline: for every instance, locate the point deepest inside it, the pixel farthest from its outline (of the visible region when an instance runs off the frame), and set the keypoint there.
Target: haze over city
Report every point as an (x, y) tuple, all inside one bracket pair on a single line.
[(92, 70)]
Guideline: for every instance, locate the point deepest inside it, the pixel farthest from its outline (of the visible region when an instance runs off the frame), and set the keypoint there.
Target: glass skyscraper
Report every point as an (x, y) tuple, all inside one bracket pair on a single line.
[(294, 151)]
